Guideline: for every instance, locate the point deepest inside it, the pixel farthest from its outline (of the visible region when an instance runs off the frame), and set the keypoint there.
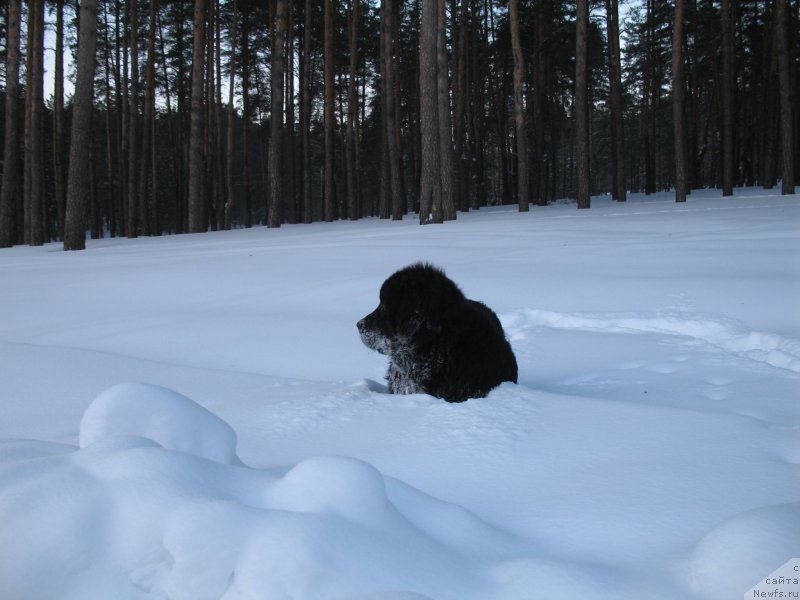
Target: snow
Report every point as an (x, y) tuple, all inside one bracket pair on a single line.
[(195, 417)]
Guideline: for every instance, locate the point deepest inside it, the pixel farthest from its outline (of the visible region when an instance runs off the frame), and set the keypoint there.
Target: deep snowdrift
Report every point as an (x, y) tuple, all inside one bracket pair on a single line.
[(651, 449)]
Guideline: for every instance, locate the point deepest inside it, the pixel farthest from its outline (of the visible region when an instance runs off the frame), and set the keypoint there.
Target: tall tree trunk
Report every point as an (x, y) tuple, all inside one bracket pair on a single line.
[(209, 145), (618, 188), (11, 181), (460, 70), (58, 120), (353, 198), (133, 123), (246, 116), (147, 173), (678, 108), (34, 170), (477, 103), (430, 200), (276, 143), (328, 114), (541, 171), (782, 46), (219, 146), (523, 195), (198, 221), (121, 85), (395, 202), (649, 97), (446, 176), (112, 197), (384, 190), (229, 196), (79, 181), (727, 97), (291, 202), (499, 91), (694, 86), (305, 115), (582, 104)]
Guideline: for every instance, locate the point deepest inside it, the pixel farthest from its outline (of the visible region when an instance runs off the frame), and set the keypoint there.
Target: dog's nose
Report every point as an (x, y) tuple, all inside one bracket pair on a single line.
[(360, 325)]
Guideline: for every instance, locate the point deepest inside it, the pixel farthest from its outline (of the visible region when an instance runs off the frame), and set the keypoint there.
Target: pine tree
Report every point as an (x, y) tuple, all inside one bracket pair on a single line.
[(678, 108), (276, 145), (10, 190), (727, 97), (787, 154), (430, 203), (619, 184), (582, 104), (81, 136), (523, 199), (197, 213)]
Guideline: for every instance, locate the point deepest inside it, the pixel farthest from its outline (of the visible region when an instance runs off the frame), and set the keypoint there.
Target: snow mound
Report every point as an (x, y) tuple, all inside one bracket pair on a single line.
[(154, 505), (724, 567), (155, 413)]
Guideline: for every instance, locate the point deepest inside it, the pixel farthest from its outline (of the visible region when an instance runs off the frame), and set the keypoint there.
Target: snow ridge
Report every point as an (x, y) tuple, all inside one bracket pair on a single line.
[(723, 334)]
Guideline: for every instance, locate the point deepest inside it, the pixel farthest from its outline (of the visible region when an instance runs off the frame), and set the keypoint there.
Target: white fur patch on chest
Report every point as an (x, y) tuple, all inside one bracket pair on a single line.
[(406, 372)]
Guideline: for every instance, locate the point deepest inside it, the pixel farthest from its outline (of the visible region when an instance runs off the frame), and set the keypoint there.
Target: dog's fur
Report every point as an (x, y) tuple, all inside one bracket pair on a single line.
[(438, 342)]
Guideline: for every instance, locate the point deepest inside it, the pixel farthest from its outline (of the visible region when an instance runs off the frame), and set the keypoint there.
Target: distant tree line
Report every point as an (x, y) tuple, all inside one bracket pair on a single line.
[(213, 114)]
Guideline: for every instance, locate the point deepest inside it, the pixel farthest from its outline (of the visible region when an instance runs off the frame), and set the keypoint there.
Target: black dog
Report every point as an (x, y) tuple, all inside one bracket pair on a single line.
[(438, 342)]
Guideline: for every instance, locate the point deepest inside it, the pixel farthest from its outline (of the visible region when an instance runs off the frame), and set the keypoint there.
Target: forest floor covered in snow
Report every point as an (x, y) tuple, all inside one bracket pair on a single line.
[(195, 417)]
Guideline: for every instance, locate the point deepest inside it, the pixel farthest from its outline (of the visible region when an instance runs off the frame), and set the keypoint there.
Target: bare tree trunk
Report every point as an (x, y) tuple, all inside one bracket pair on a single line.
[(209, 146), (219, 146), (523, 195), (134, 221), (58, 120), (11, 181), (650, 92), (276, 144), (305, 115), (121, 85), (395, 200), (582, 104), (328, 110), (541, 173), (112, 197), (34, 171), (678, 109), (229, 196), (460, 70), (197, 213), (383, 191), (727, 98), (787, 157), (291, 202), (480, 37), (430, 200), (148, 142), (246, 115), (353, 197), (133, 124), (79, 182), (619, 187), (446, 177)]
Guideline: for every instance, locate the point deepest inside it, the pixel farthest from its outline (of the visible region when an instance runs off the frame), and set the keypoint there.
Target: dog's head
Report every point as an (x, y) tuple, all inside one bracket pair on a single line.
[(414, 305)]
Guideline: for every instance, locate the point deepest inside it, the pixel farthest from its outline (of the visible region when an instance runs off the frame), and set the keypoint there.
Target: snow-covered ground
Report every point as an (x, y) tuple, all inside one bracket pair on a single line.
[(194, 417)]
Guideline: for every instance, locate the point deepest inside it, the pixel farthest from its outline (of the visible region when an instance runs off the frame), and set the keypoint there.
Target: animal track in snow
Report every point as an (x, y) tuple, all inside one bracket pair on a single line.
[(724, 334)]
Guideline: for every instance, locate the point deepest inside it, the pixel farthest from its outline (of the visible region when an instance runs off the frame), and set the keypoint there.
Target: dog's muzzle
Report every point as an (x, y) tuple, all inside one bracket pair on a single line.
[(372, 339)]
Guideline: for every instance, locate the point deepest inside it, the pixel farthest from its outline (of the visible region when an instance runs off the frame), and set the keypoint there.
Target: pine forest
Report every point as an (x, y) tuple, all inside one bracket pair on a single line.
[(140, 118)]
